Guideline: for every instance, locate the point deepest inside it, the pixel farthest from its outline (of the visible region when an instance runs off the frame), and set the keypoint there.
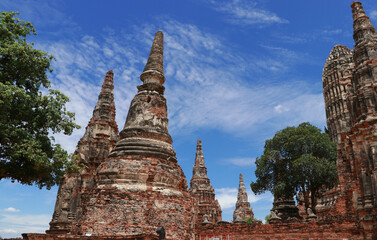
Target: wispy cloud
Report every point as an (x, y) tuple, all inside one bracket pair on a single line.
[(332, 31), (241, 162), (327, 34), (284, 53), (222, 95), (292, 39), (246, 12), (15, 225), (227, 197), (10, 209), (208, 85), (79, 71), (373, 14), (42, 13)]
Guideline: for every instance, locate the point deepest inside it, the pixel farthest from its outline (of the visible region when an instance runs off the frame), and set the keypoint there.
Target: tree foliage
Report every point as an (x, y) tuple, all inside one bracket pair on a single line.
[(267, 219), (30, 109), (251, 220), (297, 159)]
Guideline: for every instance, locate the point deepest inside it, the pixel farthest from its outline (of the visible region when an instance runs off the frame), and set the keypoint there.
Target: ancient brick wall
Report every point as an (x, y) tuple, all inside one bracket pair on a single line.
[(35, 236), (282, 231)]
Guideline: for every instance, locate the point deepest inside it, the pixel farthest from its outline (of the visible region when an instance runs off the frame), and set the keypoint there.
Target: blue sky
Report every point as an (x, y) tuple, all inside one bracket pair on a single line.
[(236, 72)]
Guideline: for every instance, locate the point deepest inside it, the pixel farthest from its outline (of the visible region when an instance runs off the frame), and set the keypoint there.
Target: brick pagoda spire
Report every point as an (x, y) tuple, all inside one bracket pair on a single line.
[(141, 186), (365, 58), (102, 125), (336, 79), (99, 138), (364, 115), (207, 209), (243, 209), (337, 93), (356, 196)]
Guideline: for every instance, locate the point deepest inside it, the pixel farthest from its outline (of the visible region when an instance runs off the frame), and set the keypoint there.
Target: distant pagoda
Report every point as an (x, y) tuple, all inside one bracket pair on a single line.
[(243, 210), (207, 208)]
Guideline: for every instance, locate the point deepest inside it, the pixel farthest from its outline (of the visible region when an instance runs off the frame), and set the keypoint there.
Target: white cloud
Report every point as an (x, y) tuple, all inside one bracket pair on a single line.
[(252, 198), (280, 108), (41, 14), (284, 53), (10, 209), (208, 84), (246, 12), (332, 31), (9, 231), (220, 96), (291, 39), (14, 225), (373, 14), (79, 71), (325, 34), (227, 197), (241, 162), (28, 220)]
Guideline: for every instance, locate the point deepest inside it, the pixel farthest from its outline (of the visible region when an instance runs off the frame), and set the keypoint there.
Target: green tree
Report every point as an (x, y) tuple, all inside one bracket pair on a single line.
[(251, 220), (297, 159), (29, 110), (267, 218)]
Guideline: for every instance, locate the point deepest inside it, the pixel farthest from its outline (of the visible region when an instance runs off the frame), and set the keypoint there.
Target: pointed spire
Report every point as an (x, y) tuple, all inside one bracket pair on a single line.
[(101, 127), (154, 69), (99, 138), (199, 170), (357, 10), (108, 83), (199, 158), (243, 209), (146, 128), (105, 107), (363, 30), (364, 34), (242, 195), (208, 208)]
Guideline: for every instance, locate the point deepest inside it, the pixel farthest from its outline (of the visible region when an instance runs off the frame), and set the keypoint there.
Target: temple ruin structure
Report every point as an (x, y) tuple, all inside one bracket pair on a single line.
[(131, 184), (140, 184), (100, 136), (243, 210), (349, 83), (207, 207)]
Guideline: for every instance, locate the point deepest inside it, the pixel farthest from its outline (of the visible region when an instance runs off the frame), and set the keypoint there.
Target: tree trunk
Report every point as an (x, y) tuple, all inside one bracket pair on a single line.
[(314, 201), (306, 198)]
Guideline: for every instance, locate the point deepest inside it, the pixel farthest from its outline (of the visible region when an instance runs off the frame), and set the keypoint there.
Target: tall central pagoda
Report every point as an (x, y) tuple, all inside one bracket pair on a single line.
[(140, 185)]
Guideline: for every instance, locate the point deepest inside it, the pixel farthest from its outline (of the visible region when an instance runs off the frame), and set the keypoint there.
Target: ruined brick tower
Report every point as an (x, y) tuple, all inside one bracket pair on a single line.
[(207, 209), (337, 85), (99, 138), (243, 210), (350, 83), (363, 135), (140, 185)]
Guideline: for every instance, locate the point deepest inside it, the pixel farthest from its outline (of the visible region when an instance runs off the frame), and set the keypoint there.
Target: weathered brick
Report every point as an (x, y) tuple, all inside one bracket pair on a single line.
[(207, 208)]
